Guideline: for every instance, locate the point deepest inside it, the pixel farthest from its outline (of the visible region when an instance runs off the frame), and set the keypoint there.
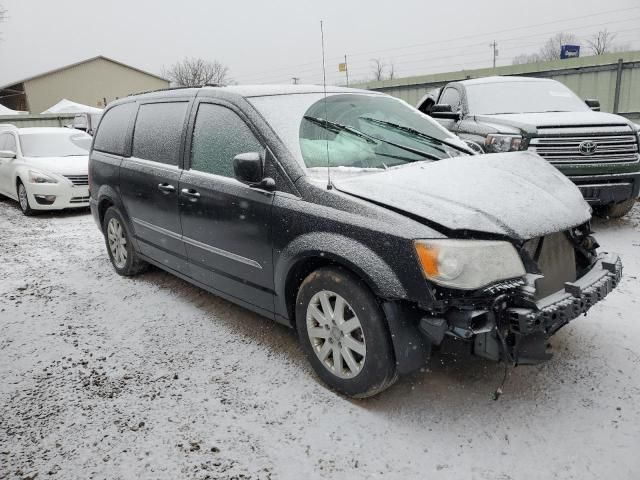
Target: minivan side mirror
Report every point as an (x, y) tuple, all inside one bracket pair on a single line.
[(443, 110), (7, 154), (249, 168), (593, 104)]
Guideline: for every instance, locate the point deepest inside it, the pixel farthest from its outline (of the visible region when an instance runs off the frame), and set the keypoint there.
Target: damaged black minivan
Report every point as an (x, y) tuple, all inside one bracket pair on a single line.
[(350, 216)]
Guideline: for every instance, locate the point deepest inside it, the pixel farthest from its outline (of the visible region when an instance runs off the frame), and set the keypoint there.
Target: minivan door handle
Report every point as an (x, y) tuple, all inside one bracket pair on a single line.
[(191, 193), (166, 188)]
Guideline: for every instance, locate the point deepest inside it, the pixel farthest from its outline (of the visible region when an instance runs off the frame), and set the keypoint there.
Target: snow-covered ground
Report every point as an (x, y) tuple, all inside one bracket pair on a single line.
[(152, 378)]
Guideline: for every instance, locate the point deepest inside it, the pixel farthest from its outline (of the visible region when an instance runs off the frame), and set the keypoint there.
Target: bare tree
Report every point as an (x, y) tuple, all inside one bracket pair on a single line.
[(392, 70), (525, 58), (551, 49), (603, 42), (193, 72), (3, 14), (377, 67)]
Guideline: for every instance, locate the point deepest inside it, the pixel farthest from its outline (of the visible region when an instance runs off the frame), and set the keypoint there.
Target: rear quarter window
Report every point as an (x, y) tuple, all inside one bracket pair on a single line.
[(158, 131), (111, 137)]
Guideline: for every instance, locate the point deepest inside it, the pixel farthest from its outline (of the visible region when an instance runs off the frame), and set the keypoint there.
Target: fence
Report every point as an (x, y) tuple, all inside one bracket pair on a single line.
[(40, 120)]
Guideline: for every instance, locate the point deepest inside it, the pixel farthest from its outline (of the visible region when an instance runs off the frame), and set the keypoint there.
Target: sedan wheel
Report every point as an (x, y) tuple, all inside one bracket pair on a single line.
[(23, 199), (336, 334), (117, 243)]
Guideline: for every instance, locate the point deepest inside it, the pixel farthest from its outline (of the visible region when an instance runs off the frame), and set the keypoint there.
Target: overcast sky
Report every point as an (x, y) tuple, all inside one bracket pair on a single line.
[(272, 41)]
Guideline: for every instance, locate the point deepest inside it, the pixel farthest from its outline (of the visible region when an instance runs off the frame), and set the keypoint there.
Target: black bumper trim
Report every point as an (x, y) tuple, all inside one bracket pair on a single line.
[(558, 309)]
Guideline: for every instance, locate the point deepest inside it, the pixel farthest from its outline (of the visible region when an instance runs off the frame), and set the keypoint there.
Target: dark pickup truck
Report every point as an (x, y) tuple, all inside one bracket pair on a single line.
[(597, 151)]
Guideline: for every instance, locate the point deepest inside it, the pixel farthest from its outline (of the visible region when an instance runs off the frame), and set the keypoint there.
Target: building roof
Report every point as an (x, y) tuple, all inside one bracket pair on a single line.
[(80, 63), (503, 79)]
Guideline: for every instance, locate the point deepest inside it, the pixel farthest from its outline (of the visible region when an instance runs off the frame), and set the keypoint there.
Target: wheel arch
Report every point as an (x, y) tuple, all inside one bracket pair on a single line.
[(312, 251)]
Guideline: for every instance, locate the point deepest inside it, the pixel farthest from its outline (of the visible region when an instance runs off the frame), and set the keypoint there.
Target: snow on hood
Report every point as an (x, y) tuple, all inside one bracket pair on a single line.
[(75, 165), (515, 194), (556, 119)]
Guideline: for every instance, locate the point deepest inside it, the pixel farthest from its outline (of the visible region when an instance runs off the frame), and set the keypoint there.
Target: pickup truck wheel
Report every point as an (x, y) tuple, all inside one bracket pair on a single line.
[(343, 333), (123, 256), (616, 210)]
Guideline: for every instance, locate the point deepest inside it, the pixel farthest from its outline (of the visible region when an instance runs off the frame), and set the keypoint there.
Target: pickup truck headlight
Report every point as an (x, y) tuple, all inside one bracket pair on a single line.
[(468, 264), (502, 143), (38, 177)]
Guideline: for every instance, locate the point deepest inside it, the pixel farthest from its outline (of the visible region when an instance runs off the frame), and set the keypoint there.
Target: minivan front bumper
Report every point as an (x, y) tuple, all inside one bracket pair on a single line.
[(550, 313)]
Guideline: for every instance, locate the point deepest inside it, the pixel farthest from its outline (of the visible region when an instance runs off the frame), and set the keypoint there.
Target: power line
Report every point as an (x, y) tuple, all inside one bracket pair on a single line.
[(294, 67), (361, 65)]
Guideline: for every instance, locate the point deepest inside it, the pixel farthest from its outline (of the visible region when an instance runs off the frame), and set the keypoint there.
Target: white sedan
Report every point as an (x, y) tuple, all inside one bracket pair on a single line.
[(44, 168)]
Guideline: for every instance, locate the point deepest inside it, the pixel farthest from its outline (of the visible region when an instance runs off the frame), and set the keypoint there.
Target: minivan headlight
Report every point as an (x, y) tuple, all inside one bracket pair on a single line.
[(468, 264), (502, 143), (38, 177)]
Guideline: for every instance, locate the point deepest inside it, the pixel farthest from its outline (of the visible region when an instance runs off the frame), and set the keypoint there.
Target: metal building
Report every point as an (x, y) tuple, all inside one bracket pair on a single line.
[(95, 82)]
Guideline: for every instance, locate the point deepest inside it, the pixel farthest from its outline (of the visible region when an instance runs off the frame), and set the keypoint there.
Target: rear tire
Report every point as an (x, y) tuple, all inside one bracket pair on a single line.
[(123, 256), (23, 199), (344, 334), (615, 210)]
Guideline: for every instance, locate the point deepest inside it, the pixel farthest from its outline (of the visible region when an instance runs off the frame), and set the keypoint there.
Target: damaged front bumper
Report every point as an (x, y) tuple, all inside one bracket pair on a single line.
[(549, 314), (515, 327)]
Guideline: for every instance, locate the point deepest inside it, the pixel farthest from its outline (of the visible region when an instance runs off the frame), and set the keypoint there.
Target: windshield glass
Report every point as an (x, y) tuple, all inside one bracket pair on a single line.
[(357, 131), (63, 143), (522, 97)]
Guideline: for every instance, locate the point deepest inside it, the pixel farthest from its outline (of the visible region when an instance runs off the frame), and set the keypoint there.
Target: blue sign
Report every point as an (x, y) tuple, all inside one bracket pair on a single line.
[(569, 51)]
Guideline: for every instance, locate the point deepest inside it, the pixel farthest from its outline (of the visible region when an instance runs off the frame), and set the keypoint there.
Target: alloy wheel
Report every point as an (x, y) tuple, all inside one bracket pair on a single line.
[(22, 198), (117, 243), (336, 334)]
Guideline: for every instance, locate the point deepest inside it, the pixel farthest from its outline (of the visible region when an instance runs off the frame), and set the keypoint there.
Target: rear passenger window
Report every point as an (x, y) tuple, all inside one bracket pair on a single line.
[(219, 135), (111, 137), (158, 131)]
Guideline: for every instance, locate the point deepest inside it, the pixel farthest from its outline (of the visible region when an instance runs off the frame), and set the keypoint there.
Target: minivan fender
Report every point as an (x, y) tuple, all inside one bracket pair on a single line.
[(329, 248)]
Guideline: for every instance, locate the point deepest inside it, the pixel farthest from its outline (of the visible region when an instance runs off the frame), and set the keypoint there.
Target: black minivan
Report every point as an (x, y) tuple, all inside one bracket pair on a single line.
[(350, 216)]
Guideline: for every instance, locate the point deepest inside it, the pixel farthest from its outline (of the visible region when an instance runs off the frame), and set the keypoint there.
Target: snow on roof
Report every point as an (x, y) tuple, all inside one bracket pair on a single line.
[(502, 79), (7, 111), (67, 106)]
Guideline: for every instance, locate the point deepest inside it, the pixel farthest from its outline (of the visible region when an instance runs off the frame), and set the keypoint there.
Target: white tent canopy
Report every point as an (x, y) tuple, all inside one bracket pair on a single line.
[(67, 106), (7, 111)]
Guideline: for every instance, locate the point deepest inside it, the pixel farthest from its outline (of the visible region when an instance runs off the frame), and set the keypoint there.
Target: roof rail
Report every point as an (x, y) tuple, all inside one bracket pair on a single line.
[(174, 88)]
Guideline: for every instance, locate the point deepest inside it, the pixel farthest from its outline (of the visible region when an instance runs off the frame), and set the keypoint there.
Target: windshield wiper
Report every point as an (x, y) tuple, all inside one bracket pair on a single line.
[(338, 127), (415, 132)]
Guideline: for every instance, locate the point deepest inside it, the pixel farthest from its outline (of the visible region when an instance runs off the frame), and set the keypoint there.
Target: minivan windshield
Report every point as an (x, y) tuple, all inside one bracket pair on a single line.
[(522, 97), (62, 143), (356, 131)]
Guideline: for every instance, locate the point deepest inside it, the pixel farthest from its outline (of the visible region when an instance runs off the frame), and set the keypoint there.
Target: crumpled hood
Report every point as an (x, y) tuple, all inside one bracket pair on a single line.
[(529, 121), (75, 165), (515, 194)]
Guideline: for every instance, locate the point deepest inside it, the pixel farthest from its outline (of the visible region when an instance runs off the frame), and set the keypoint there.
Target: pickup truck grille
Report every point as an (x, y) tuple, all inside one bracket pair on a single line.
[(79, 180), (619, 146)]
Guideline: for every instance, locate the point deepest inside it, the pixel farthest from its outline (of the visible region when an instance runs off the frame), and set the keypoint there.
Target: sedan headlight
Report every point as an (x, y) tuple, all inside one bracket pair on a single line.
[(468, 264), (502, 143), (38, 177)]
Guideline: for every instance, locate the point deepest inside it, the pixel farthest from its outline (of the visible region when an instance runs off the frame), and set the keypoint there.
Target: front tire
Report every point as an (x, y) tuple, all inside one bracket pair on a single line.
[(615, 210), (124, 258), (343, 333), (23, 199)]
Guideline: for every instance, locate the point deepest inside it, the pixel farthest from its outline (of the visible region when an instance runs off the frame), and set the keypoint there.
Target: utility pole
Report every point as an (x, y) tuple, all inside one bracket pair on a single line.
[(346, 69), (295, 80), (494, 45)]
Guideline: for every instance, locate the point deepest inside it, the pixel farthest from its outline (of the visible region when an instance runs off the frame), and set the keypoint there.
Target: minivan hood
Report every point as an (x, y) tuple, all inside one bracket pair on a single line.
[(554, 119), (76, 165), (514, 194)]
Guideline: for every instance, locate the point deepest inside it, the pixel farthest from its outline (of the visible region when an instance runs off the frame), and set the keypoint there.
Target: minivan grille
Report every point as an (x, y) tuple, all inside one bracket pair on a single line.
[(79, 200), (79, 180), (586, 145)]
